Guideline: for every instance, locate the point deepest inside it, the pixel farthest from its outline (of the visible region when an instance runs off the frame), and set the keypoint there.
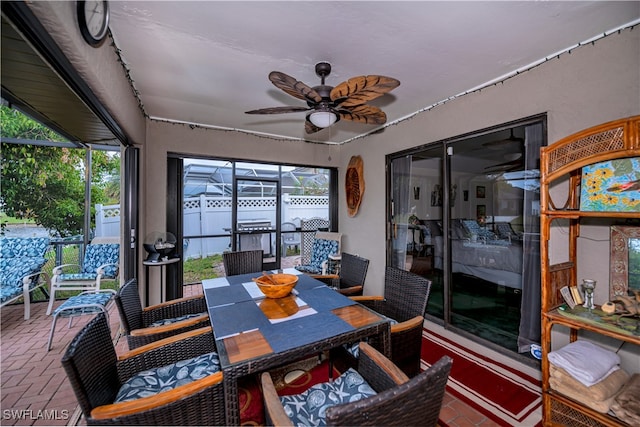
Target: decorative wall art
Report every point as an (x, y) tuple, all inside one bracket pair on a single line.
[(436, 195), (611, 186), (481, 211), (624, 260), (354, 184), (480, 192)]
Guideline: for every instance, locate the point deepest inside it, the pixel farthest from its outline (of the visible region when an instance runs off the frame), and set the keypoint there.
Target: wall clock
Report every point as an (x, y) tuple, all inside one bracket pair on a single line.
[(93, 19)]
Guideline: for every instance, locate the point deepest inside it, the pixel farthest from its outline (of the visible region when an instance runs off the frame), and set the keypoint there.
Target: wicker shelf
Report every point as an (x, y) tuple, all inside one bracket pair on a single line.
[(562, 161)]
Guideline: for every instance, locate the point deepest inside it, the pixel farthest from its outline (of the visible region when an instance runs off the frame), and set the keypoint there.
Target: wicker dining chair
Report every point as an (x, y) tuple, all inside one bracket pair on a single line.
[(404, 301), (350, 280), (391, 398), (114, 390), (242, 262), (145, 325)]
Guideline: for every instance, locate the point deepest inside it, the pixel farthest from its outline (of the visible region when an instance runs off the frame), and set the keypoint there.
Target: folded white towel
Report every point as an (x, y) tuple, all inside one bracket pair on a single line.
[(585, 361)]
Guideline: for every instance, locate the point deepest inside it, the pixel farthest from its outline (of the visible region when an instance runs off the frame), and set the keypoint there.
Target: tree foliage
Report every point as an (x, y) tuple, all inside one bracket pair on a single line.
[(47, 184)]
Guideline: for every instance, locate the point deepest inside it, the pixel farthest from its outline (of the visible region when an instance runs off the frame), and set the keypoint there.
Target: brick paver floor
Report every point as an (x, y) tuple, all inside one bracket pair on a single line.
[(34, 389)]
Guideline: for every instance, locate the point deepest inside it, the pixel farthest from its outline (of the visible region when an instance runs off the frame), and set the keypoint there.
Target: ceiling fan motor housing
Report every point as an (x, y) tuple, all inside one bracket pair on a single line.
[(323, 69)]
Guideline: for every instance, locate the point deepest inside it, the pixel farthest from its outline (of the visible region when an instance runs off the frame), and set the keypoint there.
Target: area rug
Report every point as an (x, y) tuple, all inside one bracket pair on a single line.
[(502, 393)]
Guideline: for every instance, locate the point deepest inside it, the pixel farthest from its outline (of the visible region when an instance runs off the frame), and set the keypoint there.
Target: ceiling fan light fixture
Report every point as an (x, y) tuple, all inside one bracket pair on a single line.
[(323, 118)]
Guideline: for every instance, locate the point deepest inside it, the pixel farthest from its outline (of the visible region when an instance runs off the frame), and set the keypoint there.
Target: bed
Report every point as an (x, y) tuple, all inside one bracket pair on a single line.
[(494, 255)]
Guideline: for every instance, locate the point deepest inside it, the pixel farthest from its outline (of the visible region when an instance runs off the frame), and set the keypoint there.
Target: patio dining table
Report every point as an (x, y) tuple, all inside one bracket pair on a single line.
[(254, 333)]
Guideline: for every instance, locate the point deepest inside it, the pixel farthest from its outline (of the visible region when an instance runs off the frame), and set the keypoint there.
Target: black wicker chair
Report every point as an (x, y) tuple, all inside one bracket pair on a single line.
[(399, 401), (145, 325), (242, 262), (350, 280), (405, 301), (96, 375)]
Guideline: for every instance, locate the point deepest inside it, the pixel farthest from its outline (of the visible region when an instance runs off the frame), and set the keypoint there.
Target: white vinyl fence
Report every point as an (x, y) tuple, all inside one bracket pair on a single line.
[(207, 215)]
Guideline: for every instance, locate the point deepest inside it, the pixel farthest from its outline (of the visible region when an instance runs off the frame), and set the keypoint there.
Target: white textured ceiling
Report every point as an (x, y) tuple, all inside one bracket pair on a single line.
[(207, 62)]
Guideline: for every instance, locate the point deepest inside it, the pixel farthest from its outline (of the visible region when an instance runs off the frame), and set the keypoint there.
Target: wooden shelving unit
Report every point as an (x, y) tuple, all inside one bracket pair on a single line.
[(563, 162)]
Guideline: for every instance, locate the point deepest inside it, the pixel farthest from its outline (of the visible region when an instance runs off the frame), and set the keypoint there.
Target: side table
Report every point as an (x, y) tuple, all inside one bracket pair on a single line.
[(163, 273)]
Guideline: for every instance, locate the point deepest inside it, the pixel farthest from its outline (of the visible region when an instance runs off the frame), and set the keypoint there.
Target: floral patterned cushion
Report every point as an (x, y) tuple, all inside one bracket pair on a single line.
[(354, 348), (20, 257), (84, 303), (77, 276), (309, 408), (100, 254), (154, 381), (320, 252), (174, 319), (14, 247), (13, 270)]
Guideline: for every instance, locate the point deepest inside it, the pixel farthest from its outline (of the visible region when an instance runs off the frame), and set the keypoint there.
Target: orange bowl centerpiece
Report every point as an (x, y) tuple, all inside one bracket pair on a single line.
[(277, 285)]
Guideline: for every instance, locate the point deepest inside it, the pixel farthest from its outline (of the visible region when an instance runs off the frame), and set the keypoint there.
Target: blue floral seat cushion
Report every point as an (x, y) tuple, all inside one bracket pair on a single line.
[(13, 270), (309, 408), (354, 348), (101, 254), (165, 378), (15, 247), (84, 303), (169, 321), (320, 252), (78, 276)]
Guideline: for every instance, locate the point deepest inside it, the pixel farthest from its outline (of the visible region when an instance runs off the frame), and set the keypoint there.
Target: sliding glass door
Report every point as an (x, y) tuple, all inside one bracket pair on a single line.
[(464, 213)]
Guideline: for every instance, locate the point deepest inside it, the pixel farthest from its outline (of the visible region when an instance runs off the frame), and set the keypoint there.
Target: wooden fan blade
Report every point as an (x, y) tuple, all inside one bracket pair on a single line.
[(278, 110), (310, 127), (510, 166), (358, 90), (294, 87), (367, 114)]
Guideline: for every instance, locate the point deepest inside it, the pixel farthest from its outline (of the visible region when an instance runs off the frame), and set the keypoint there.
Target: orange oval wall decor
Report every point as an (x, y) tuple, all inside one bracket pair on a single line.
[(354, 184)]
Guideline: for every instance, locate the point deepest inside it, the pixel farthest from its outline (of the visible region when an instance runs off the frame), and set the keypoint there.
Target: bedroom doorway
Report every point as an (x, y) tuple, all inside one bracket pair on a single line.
[(464, 213)]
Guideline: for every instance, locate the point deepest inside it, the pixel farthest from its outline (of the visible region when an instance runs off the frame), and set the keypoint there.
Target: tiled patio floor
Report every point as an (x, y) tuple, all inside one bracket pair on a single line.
[(34, 388)]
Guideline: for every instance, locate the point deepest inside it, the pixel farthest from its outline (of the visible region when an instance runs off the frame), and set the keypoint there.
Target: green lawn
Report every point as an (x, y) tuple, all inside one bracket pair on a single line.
[(194, 270), (4, 219)]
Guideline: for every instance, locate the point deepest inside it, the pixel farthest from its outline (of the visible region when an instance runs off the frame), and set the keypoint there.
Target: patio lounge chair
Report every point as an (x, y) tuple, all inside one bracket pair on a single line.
[(176, 381), (21, 262), (101, 262), (146, 325), (377, 394)]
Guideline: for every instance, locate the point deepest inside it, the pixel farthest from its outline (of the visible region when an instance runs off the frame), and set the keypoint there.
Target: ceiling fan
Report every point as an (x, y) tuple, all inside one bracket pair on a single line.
[(515, 160), (330, 104)]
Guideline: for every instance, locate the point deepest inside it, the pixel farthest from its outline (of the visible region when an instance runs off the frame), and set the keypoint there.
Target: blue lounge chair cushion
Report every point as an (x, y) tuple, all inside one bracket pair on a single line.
[(100, 254), (84, 303), (309, 408), (13, 270), (154, 381), (20, 257)]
